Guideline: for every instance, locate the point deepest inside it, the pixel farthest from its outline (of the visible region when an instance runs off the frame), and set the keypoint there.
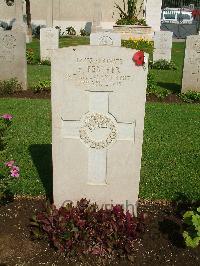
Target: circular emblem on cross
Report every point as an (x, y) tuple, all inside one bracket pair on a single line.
[(98, 131)]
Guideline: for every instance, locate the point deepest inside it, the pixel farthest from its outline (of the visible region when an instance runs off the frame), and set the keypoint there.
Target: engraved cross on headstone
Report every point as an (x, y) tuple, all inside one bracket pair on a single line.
[(98, 130)]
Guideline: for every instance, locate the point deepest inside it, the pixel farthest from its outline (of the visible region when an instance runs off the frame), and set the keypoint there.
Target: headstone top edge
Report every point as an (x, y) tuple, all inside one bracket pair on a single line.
[(90, 47)]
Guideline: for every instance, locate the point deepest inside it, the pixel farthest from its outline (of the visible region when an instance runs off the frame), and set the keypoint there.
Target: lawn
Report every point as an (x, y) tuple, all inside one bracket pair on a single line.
[(42, 72), (166, 79), (171, 150)]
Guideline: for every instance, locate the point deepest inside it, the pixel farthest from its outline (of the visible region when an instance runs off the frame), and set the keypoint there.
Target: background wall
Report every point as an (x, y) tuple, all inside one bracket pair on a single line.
[(153, 13), (79, 13)]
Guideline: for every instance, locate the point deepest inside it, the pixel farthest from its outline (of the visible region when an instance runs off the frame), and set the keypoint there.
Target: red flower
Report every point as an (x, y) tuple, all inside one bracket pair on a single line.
[(138, 58)]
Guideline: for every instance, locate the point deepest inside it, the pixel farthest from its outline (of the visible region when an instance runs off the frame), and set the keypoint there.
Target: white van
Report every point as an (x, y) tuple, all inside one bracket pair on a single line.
[(176, 15)]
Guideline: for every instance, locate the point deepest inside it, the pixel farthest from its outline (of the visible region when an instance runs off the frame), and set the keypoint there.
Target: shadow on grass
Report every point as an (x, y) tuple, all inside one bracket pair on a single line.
[(42, 158), (173, 87)]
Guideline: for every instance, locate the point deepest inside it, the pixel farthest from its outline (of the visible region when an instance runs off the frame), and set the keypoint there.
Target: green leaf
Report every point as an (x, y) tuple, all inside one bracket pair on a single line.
[(188, 214), (34, 224), (191, 242)]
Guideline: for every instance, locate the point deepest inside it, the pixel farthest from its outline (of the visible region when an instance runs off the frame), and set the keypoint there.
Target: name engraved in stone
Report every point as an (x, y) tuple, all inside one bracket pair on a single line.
[(101, 72), (7, 56)]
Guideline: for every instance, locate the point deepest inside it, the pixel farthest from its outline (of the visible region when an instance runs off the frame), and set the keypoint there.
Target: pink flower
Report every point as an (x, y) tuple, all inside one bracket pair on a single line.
[(14, 173), (7, 117), (9, 164), (15, 168)]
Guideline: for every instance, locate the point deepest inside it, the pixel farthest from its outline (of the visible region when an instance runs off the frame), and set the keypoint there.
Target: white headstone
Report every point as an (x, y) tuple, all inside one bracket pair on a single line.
[(98, 108), (191, 71), (49, 40), (162, 45), (13, 56), (19, 11), (105, 38), (19, 24)]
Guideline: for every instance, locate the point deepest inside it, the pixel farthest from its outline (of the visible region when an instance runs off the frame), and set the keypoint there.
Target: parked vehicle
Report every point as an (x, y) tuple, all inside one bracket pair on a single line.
[(177, 15)]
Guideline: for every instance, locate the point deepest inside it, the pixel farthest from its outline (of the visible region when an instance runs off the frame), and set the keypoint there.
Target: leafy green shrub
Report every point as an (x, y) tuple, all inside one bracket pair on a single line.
[(83, 32), (5, 25), (3, 128), (152, 88), (71, 31), (128, 13), (43, 85), (45, 62), (163, 65), (30, 57), (190, 96), (8, 172), (9, 86), (151, 83), (5, 122), (139, 44), (86, 229), (132, 21), (36, 31), (159, 92), (192, 234)]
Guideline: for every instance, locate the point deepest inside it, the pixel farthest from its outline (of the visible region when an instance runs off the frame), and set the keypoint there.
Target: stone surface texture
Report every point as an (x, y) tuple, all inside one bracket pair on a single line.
[(162, 45), (105, 38), (49, 40), (134, 31), (98, 108), (191, 71), (13, 56)]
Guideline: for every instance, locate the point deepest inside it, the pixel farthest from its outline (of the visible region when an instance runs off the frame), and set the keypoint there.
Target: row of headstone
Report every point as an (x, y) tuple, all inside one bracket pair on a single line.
[(191, 70), (19, 23), (98, 108)]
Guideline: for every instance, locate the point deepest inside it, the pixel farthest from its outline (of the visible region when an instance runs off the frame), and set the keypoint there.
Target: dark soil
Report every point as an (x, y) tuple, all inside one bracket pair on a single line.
[(29, 94), (162, 243), (171, 98)]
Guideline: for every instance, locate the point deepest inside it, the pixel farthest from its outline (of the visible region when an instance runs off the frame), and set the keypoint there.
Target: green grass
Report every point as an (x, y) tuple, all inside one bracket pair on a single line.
[(39, 72), (171, 150), (31, 130), (171, 79)]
